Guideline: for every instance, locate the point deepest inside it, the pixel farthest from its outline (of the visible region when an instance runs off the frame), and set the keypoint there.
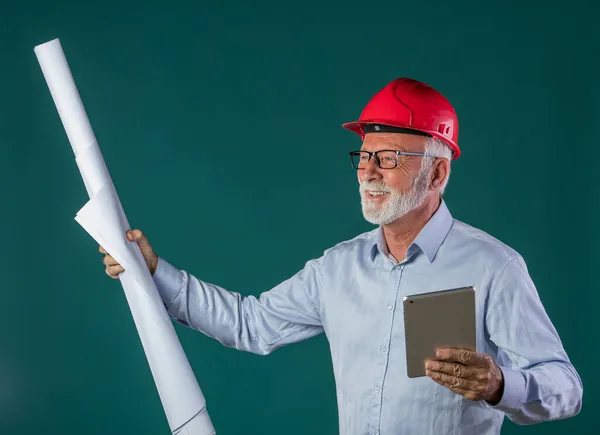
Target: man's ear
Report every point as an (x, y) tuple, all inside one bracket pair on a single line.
[(439, 173)]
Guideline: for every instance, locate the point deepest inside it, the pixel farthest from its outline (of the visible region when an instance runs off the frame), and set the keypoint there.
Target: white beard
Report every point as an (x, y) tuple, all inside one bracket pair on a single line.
[(397, 203)]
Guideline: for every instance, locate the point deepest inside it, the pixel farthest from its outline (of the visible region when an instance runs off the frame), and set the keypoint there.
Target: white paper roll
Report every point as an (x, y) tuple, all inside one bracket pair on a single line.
[(104, 219)]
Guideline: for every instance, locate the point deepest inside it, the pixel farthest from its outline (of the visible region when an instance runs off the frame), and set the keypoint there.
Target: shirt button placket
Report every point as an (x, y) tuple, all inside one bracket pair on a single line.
[(399, 269)]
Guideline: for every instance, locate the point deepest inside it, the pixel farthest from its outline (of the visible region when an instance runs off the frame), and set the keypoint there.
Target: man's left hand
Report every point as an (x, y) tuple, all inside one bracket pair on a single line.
[(473, 375)]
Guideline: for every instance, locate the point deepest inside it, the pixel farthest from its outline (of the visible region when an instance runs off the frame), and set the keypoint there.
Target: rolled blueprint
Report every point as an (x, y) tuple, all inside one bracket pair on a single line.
[(104, 219)]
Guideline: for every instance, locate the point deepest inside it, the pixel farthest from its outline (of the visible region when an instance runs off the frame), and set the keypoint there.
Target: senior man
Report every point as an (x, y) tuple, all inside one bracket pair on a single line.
[(352, 293)]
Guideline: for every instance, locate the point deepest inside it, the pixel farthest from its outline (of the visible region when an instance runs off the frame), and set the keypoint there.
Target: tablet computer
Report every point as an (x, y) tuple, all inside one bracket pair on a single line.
[(432, 320)]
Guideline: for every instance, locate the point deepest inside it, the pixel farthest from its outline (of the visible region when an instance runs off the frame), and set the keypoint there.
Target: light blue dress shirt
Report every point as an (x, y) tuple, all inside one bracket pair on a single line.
[(353, 293)]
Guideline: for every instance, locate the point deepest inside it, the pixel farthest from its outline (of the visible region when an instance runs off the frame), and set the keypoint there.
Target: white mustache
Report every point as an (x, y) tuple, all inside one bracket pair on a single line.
[(376, 186)]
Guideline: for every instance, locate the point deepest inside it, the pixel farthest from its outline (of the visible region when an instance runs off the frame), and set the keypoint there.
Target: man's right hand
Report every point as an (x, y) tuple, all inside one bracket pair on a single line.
[(113, 269)]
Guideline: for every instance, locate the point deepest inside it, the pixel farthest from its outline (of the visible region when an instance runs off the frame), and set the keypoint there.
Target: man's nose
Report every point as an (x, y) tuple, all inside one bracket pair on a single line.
[(371, 171)]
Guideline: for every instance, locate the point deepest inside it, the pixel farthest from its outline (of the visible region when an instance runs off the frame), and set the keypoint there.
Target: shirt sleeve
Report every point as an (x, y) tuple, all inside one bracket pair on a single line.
[(288, 313), (540, 383)]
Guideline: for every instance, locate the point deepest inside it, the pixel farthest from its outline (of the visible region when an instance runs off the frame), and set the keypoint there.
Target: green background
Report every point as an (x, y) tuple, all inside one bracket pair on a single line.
[(220, 124)]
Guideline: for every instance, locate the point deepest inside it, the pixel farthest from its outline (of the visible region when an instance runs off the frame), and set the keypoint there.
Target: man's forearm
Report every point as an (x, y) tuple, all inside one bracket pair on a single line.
[(285, 314), (207, 308)]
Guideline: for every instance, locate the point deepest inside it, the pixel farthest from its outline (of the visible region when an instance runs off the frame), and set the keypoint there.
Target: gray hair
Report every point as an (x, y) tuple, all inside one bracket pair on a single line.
[(435, 147)]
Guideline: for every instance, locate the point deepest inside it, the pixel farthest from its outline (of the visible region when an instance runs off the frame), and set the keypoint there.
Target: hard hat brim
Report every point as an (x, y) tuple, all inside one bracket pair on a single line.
[(358, 126)]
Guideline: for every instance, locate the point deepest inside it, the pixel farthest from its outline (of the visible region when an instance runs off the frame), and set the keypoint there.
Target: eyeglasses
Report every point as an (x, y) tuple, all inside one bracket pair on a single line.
[(385, 159)]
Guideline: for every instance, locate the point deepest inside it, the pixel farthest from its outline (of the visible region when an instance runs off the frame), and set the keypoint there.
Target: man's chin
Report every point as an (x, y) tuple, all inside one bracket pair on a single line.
[(378, 216), (377, 220), (375, 217)]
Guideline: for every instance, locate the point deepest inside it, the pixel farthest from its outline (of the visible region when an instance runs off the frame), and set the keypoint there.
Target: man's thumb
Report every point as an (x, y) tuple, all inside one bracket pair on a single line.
[(138, 236)]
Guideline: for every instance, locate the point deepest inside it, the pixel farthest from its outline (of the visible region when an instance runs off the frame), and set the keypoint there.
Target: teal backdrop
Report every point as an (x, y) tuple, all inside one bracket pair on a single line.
[(220, 123)]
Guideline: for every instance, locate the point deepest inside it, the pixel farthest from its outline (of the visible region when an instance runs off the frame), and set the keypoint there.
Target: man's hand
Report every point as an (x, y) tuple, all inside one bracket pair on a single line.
[(113, 269), (473, 375)]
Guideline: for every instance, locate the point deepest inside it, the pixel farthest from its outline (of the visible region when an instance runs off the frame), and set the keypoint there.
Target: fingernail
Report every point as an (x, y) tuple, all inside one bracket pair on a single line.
[(439, 353)]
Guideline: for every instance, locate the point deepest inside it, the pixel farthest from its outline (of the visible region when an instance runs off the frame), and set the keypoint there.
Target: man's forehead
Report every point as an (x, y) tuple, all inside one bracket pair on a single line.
[(394, 141)]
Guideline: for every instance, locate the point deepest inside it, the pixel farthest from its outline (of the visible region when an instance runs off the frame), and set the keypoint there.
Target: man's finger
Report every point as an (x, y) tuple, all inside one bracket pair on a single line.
[(109, 260), (463, 356), (452, 368), (468, 394), (449, 368), (115, 270), (455, 382), (101, 249)]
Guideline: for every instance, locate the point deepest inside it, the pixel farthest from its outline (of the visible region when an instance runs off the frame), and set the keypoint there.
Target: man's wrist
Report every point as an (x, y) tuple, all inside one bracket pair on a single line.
[(152, 266), (495, 397)]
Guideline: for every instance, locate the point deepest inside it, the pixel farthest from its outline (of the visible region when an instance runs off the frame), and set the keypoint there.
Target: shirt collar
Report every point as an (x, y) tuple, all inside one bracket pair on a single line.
[(429, 239)]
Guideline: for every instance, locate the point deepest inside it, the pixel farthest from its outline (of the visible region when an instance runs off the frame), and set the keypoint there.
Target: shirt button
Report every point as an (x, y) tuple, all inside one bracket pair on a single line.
[(376, 390), (390, 306), (383, 348)]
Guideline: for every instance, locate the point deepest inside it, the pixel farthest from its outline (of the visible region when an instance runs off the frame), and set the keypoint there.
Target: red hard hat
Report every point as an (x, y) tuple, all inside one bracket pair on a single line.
[(407, 103)]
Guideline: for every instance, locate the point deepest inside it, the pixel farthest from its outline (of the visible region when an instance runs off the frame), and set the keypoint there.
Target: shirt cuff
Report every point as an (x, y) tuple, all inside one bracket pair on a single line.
[(514, 391), (168, 280)]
